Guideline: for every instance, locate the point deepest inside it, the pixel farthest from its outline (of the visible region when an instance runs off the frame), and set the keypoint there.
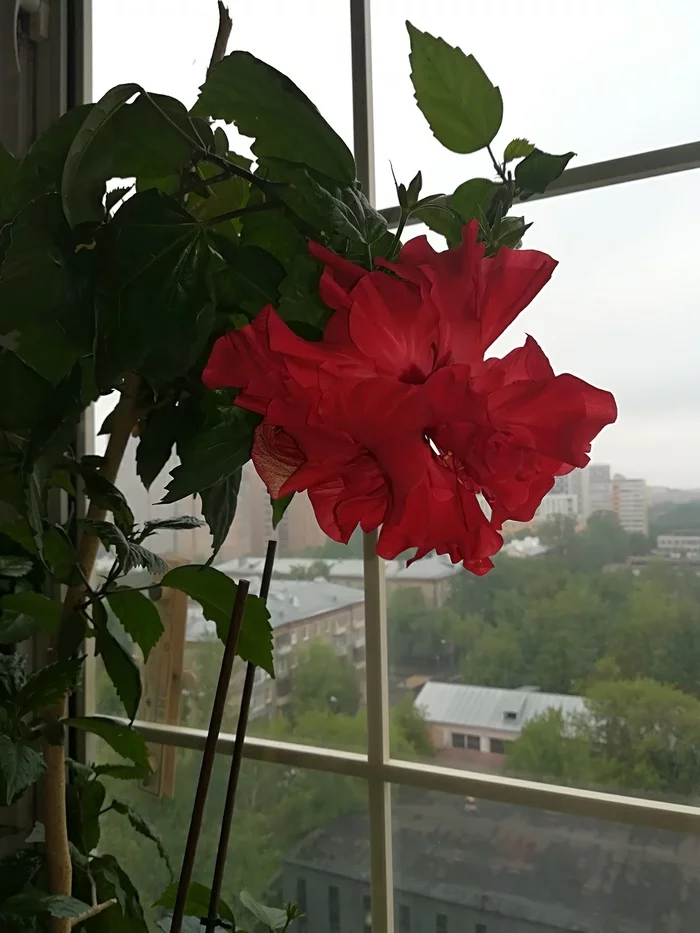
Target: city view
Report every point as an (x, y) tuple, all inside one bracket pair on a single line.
[(575, 661)]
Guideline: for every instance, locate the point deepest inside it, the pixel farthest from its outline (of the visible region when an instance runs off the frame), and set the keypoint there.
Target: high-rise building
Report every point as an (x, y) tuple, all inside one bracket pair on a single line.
[(630, 503), (595, 489), (557, 503)]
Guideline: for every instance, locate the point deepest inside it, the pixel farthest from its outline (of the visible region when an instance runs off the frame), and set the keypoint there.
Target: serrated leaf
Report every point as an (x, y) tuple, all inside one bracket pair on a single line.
[(273, 918), (216, 592), (145, 829), (176, 523), (536, 172), (265, 104), (13, 675), (139, 556), (197, 903), (153, 308), (119, 663), (219, 503), (124, 740), (459, 102), (157, 438), (213, 454), (46, 612), (115, 195), (105, 495), (49, 685), (279, 507), (109, 535), (112, 881), (15, 566), (472, 197), (517, 149), (139, 617), (31, 903), (21, 765)]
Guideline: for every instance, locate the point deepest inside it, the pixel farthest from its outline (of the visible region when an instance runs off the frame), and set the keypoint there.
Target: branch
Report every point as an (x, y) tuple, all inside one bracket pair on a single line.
[(241, 212), (222, 36), (92, 912)]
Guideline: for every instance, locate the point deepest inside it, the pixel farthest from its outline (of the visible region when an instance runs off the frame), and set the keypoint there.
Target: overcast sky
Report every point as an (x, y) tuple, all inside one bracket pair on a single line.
[(604, 79)]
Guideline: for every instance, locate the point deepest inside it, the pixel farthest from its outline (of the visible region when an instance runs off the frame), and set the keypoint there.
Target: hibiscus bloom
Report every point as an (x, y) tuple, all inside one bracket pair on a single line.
[(395, 419)]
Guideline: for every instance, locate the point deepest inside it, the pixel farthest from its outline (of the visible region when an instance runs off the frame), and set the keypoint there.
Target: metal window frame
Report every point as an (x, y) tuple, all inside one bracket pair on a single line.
[(377, 768)]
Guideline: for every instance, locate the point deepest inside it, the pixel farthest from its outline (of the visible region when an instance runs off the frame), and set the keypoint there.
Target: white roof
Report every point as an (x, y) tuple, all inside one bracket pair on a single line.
[(347, 568), (468, 705)]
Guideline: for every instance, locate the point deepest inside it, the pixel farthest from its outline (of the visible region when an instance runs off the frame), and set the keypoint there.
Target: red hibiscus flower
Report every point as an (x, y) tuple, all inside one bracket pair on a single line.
[(395, 419)]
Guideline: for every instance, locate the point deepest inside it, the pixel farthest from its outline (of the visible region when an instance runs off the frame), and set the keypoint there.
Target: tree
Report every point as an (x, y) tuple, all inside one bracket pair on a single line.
[(324, 681), (551, 748), (315, 570)]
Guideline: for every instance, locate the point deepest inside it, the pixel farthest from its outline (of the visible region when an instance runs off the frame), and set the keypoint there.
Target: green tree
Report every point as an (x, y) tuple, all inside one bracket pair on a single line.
[(325, 682), (552, 748), (315, 570)]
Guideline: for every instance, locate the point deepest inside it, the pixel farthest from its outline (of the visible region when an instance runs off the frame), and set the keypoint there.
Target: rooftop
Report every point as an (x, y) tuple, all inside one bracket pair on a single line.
[(348, 568), (490, 707), (549, 870), (288, 601)]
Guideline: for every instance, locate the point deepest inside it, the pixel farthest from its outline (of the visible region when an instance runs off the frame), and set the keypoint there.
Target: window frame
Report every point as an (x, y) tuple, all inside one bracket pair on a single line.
[(377, 767)]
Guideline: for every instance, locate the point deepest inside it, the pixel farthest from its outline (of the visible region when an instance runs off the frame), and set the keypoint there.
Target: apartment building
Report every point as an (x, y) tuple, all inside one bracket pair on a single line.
[(630, 504)]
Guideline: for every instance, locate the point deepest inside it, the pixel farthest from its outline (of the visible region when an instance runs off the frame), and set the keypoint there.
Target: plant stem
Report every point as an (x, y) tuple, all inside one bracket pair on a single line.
[(396, 245), (222, 36), (240, 212), (500, 171), (58, 858)]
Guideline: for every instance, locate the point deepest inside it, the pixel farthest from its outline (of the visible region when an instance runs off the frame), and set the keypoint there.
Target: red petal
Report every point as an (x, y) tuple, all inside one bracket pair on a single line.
[(338, 278), (275, 456)]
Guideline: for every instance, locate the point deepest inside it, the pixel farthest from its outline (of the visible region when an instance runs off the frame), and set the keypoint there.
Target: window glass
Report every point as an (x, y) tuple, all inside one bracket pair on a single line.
[(589, 616), (495, 867), (273, 852), (566, 74)]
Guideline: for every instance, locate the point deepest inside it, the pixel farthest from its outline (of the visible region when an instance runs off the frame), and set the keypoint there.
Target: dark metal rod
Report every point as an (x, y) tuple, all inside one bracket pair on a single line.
[(217, 715), (230, 801)]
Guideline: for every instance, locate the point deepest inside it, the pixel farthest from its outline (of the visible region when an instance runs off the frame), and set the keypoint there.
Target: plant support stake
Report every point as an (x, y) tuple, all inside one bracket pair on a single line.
[(230, 800), (217, 715)]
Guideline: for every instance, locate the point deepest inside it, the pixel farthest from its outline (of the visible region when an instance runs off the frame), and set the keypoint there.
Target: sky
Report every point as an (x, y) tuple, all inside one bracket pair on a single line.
[(603, 79)]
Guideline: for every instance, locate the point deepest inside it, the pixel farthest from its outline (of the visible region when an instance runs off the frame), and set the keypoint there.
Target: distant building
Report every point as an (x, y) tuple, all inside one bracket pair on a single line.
[(486, 867), (301, 612), (679, 544), (432, 575), (558, 503), (596, 489), (473, 725), (630, 504)]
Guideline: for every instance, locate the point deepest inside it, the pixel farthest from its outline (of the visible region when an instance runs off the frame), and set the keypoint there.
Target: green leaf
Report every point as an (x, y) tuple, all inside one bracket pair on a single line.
[(197, 903), (15, 566), (122, 772), (216, 452), (30, 394), (105, 495), (119, 663), (154, 312), (176, 523), (21, 765), (459, 102), (517, 149), (120, 140), (473, 197), (271, 917), (219, 503), (85, 831), (13, 675), (49, 685), (279, 507), (45, 316), (274, 232), (112, 881), (250, 281), (442, 219), (30, 903), (355, 218), (216, 592), (45, 612), (60, 556), (266, 105), (109, 535), (414, 189), (16, 627), (536, 172), (299, 298), (20, 532), (158, 434), (139, 556), (124, 740), (144, 828), (139, 616)]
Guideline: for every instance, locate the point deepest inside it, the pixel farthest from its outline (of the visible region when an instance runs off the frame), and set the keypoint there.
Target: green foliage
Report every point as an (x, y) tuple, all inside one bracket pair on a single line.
[(324, 681), (139, 617), (197, 903), (124, 740)]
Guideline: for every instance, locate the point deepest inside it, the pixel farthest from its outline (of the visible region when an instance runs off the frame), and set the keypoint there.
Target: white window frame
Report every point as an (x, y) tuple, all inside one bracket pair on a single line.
[(376, 767)]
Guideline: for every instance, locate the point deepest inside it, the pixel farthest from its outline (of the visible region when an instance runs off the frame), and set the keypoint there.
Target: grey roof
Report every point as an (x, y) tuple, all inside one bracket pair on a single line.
[(517, 868), (289, 601), (489, 707), (348, 568)]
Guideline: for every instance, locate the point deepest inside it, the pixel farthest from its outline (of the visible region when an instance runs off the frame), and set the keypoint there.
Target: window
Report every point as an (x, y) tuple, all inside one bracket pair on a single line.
[(630, 303), (333, 908)]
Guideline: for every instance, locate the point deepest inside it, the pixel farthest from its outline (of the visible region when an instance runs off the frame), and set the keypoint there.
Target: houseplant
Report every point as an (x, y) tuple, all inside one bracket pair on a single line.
[(127, 289)]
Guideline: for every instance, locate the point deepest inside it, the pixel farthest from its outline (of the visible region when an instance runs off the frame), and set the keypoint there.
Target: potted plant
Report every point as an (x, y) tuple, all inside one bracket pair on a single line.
[(159, 290)]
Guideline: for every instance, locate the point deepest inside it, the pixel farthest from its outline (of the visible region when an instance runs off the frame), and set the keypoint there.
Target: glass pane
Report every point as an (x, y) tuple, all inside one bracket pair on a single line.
[(566, 73), (470, 866), (278, 813), (587, 620)]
